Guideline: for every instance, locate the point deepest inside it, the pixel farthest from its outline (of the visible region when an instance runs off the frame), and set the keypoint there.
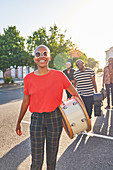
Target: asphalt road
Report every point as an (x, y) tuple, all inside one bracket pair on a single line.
[(90, 151), (11, 94)]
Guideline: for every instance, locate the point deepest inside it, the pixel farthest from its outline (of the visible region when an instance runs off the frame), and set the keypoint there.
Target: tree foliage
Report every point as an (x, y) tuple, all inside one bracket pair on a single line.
[(82, 57), (60, 60), (55, 40), (12, 49), (13, 53), (91, 63)]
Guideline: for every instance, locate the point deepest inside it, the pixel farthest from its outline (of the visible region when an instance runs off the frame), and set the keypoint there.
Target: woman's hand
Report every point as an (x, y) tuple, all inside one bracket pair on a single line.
[(18, 129)]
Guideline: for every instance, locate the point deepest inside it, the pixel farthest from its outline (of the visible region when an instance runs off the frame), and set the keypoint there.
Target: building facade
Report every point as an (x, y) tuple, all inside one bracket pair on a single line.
[(20, 72)]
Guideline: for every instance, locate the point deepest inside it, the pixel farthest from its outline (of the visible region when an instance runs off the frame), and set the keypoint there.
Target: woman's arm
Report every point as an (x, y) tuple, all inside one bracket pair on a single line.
[(23, 110), (73, 82), (94, 83)]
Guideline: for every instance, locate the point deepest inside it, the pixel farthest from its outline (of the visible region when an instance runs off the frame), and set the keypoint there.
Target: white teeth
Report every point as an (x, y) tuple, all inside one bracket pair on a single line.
[(42, 61)]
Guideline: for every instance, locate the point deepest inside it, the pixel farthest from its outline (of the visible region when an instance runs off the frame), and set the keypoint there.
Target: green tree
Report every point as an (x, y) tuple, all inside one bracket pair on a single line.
[(91, 63), (60, 60), (57, 43), (54, 40), (39, 37), (82, 57), (12, 49)]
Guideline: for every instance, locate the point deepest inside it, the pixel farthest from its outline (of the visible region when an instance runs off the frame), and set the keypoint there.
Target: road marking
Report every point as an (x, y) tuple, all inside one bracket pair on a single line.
[(97, 135), (106, 109), (23, 121), (109, 123)]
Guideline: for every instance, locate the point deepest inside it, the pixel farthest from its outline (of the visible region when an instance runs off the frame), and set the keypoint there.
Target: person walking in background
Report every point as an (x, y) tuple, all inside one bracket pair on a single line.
[(85, 83), (69, 72), (43, 91), (108, 81)]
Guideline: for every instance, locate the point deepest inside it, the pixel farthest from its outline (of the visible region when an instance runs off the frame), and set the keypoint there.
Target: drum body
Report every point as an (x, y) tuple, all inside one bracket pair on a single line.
[(75, 117)]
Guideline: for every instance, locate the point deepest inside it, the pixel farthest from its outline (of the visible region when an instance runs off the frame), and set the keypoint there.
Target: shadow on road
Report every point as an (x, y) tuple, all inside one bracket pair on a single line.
[(104, 123), (10, 94), (90, 153), (12, 159)]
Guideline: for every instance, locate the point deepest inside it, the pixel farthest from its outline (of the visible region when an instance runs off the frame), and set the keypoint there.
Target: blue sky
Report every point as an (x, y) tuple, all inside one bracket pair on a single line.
[(88, 22)]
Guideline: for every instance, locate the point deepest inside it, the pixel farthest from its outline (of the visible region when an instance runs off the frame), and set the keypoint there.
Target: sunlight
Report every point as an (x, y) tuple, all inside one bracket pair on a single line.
[(109, 123), (78, 143)]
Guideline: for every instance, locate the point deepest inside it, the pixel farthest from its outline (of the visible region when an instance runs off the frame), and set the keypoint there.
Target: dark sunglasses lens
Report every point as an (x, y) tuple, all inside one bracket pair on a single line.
[(37, 54), (45, 54), (79, 63)]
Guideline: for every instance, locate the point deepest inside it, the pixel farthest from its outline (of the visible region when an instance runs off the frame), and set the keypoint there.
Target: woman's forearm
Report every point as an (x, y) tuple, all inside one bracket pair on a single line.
[(24, 108), (71, 89)]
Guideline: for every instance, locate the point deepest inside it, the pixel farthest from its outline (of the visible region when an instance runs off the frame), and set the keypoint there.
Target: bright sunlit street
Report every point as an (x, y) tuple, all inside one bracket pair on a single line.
[(92, 150), (40, 43)]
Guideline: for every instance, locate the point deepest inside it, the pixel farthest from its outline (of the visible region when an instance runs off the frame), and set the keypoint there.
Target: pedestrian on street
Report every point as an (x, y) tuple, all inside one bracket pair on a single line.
[(108, 81), (85, 83), (43, 91), (69, 72)]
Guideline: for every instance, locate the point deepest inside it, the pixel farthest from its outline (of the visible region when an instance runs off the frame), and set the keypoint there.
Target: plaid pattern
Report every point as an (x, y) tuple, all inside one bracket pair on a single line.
[(45, 126)]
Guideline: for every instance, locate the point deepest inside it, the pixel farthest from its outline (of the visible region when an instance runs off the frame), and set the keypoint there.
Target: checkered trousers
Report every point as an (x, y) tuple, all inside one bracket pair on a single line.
[(45, 126)]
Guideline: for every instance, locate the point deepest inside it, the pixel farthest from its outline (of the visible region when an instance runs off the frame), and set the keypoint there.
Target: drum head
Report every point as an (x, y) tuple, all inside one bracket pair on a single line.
[(66, 123)]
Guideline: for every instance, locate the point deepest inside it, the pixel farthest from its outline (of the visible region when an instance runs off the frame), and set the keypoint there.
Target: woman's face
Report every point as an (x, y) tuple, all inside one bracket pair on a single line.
[(42, 57)]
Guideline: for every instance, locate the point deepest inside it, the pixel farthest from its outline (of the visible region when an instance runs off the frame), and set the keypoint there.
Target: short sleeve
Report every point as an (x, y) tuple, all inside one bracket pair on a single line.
[(25, 91), (65, 80)]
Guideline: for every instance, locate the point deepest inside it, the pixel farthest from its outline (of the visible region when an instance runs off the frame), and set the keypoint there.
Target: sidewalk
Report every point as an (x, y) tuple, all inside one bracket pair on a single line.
[(17, 81)]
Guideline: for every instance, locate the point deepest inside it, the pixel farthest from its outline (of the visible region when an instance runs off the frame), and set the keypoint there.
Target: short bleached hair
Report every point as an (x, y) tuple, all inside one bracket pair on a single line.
[(44, 46)]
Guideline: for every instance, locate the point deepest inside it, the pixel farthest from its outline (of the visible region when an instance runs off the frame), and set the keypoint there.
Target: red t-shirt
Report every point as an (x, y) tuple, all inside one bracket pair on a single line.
[(45, 91)]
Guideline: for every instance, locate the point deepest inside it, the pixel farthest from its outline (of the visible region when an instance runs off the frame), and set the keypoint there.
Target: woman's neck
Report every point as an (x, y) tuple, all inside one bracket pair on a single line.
[(41, 71)]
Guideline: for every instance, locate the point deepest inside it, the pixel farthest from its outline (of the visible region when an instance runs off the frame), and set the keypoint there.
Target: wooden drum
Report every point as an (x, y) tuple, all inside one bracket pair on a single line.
[(75, 117)]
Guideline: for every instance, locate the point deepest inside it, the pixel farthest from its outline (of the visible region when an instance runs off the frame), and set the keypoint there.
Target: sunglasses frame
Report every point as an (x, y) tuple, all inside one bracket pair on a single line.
[(40, 54), (79, 63)]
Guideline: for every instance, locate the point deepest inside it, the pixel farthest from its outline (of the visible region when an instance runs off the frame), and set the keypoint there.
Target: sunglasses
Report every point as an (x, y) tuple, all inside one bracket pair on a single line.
[(79, 63), (38, 54)]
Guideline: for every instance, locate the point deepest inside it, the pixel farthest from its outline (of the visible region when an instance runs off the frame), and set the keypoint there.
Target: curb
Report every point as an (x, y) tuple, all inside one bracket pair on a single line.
[(11, 85)]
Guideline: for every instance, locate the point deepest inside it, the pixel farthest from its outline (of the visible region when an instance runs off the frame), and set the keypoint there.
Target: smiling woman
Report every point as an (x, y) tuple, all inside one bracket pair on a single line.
[(43, 92)]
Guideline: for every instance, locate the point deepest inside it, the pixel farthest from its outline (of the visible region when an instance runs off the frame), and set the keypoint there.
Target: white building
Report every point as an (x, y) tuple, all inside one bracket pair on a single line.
[(20, 72)]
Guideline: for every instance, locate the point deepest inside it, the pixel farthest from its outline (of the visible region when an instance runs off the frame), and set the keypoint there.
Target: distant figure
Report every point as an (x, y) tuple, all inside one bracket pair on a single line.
[(69, 72), (85, 81), (108, 81)]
